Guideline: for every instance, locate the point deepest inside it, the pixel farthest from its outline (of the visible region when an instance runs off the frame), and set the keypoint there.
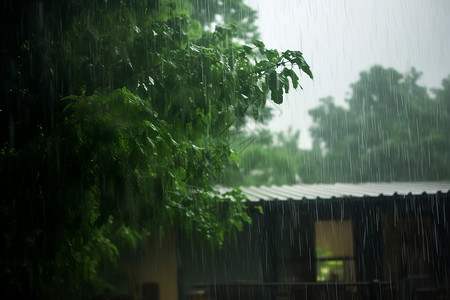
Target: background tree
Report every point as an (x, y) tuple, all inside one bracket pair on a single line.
[(392, 130), (266, 158), (116, 119), (231, 12)]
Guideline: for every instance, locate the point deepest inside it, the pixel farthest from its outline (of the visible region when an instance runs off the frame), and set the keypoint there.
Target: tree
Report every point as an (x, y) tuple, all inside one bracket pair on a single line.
[(392, 131), (232, 12), (267, 159), (117, 120)]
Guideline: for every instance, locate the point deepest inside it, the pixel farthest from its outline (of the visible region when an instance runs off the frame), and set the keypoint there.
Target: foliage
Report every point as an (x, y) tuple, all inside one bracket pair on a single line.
[(267, 159), (392, 131), (118, 119), (231, 12)]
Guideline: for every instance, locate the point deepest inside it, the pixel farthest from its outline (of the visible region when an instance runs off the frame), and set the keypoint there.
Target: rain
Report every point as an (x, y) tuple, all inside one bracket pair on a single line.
[(225, 149)]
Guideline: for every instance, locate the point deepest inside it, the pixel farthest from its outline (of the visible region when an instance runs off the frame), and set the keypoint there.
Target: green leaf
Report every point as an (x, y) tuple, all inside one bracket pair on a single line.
[(234, 156), (261, 47), (307, 70), (260, 209), (259, 44), (276, 90), (247, 49), (294, 78), (70, 97), (272, 55), (67, 107)]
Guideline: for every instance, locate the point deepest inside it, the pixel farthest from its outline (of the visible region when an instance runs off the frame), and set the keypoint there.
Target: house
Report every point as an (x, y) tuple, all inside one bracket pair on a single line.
[(330, 241), (322, 241)]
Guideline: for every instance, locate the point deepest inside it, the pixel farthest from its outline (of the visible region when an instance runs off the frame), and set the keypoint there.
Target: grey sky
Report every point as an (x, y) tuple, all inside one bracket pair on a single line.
[(339, 39)]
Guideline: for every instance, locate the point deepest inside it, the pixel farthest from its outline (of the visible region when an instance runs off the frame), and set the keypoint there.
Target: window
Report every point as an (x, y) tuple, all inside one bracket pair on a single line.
[(334, 251)]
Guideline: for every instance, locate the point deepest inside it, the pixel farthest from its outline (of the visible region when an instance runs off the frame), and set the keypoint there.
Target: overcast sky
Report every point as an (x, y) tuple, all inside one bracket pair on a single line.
[(339, 39)]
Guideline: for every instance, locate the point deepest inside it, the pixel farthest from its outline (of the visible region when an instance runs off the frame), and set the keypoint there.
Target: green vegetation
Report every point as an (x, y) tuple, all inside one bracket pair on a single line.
[(268, 159), (392, 130), (117, 118)]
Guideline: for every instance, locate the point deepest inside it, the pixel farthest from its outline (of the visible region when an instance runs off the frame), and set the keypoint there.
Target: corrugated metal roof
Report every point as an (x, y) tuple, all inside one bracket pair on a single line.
[(343, 190)]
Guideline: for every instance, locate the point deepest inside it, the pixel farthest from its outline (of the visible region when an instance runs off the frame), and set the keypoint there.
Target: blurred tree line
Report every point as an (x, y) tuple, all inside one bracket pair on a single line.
[(392, 129), (269, 159), (116, 119)]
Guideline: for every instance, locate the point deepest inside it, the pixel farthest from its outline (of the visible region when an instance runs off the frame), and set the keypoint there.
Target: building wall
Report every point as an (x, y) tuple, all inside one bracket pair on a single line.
[(238, 261), (160, 265), (396, 240), (150, 270)]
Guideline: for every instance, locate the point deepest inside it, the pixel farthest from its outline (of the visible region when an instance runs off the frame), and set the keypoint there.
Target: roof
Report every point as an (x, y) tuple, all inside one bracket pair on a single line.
[(343, 190)]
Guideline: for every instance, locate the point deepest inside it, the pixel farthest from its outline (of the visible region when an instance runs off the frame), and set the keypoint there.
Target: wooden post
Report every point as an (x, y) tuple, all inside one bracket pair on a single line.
[(375, 290)]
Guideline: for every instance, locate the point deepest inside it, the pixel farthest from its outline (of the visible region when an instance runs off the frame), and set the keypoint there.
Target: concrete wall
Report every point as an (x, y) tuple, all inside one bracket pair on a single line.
[(151, 269), (160, 264)]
